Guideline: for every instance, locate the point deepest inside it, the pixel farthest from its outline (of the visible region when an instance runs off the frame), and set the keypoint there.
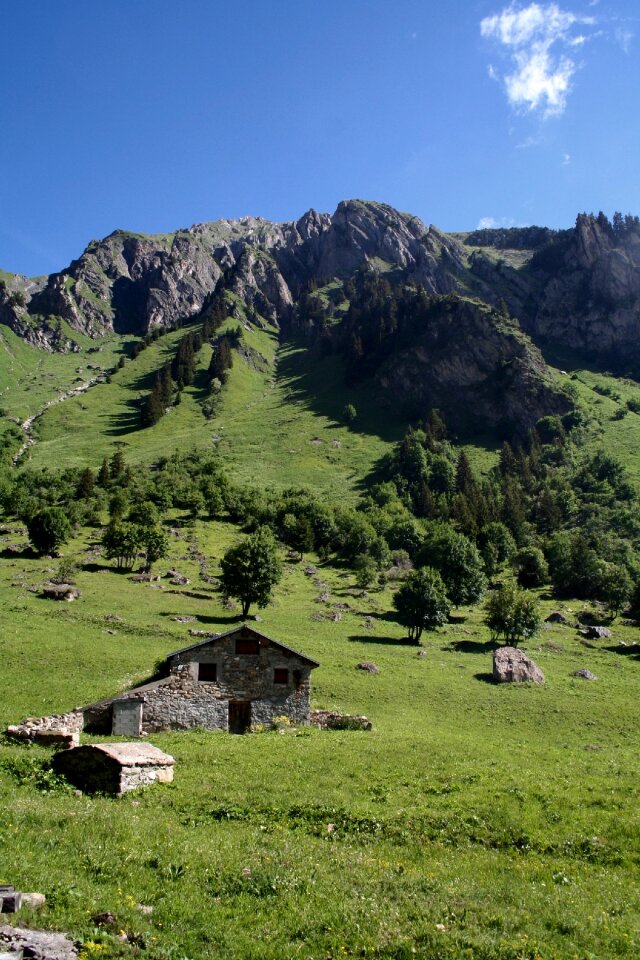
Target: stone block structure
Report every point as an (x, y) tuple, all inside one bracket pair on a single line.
[(226, 682), (60, 730), (114, 768)]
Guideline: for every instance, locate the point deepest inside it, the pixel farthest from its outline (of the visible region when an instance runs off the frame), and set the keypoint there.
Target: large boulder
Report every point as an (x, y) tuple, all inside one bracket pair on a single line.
[(596, 633), (511, 665)]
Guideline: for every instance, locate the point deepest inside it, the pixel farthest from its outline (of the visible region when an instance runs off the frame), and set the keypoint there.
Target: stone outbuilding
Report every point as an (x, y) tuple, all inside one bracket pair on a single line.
[(114, 768), (226, 682)]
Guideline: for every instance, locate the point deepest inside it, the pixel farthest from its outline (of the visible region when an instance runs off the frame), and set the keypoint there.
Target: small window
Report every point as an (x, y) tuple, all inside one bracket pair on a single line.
[(280, 675), (247, 645), (208, 672)]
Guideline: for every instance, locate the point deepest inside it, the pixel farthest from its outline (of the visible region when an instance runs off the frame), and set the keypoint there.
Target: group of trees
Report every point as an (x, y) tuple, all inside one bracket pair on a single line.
[(548, 512), (179, 372)]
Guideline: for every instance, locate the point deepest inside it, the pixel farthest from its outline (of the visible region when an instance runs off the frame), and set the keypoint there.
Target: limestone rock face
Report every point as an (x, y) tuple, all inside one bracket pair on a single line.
[(581, 288), (591, 296), (511, 665), (132, 283)]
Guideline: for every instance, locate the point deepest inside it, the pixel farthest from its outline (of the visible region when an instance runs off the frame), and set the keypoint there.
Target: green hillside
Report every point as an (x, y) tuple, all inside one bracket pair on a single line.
[(497, 822), (475, 820)]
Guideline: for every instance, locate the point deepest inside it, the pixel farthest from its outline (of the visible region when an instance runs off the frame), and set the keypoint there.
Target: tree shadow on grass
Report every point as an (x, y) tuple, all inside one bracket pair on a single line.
[(21, 553), (225, 621), (472, 646), (457, 618), (633, 650), (390, 641)]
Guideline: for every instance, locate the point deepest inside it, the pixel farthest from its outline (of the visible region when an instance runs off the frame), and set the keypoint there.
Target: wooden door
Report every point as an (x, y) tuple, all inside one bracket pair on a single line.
[(239, 716)]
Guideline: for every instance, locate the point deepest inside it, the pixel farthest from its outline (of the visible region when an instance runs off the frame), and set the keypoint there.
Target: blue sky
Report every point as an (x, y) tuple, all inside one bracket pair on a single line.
[(150, 115)]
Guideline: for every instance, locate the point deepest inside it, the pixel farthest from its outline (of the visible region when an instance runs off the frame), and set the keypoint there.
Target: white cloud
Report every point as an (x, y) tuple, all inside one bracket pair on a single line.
[(566, 159), (491, 223), (624, 38), (537, 38)]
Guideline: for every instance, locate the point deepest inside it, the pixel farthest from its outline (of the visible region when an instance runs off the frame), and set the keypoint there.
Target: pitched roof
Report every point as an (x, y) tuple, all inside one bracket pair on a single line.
[(242, 627)]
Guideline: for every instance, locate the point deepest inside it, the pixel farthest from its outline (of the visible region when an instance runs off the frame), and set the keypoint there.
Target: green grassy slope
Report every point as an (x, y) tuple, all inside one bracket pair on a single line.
[(30, 377), (476, 820), (279, 419)]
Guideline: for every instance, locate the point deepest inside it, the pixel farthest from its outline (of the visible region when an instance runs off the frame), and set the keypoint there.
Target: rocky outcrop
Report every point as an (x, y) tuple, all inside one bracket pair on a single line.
[(132, 283), (590, 298), (511, 665)]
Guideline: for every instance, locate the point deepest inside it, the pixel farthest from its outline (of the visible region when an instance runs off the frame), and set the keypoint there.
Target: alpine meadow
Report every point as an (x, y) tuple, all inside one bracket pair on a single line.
[(402, 459)]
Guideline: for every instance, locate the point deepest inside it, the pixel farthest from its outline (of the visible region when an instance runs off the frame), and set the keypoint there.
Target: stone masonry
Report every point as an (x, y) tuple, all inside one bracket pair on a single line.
[(228, 682), (114, 768)]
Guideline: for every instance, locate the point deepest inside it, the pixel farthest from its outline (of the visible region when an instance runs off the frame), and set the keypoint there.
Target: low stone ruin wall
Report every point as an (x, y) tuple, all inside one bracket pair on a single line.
[(62, 729), (330, 720)]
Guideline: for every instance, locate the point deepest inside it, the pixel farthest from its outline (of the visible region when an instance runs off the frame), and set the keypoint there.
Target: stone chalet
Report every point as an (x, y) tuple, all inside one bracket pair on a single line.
[(228, 682)]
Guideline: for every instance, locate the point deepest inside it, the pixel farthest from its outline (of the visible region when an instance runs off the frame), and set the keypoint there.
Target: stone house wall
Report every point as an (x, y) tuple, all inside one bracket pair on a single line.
[(182, 701)]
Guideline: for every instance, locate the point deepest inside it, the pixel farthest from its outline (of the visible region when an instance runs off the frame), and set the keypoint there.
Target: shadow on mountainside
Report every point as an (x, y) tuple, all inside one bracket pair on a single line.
[(317, 383)]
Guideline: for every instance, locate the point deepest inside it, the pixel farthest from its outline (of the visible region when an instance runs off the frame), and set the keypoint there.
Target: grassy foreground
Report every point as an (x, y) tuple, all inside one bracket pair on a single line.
[(476, 820)]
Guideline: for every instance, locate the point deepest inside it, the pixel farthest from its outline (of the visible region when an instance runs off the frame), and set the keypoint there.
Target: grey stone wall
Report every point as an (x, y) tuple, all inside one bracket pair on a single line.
[(181, 701)]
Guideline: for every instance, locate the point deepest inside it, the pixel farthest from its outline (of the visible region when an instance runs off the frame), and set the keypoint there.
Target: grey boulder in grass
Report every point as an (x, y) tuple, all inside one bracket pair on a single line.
[(511, 665)]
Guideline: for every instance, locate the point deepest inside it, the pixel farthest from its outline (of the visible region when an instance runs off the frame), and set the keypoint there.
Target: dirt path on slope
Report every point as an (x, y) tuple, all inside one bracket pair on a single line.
[(27, 425)]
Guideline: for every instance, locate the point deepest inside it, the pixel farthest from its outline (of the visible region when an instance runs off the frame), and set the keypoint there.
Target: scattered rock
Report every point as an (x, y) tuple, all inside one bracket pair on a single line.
[(596, 633), (368, 667), (323, 598), (60, 591), (37, 945), (184, 619), (178, 579), (511, 665), (33, 901), (557, 617), (331, 720), (144, 908), (203, 633), (310, 570), (422, 653), (585, 675), (104, 919)]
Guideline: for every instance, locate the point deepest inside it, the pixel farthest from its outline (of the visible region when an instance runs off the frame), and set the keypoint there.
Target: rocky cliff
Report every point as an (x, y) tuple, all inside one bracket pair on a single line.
[(580, 288), (578, 291), (130, 283), (590, 297)]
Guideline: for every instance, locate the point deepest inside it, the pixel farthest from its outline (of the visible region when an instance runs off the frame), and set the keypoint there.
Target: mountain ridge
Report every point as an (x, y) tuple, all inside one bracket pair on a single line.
[(577, 289)]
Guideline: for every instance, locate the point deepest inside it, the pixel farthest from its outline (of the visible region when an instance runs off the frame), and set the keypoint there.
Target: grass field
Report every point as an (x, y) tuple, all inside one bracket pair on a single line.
[(475, 820)]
